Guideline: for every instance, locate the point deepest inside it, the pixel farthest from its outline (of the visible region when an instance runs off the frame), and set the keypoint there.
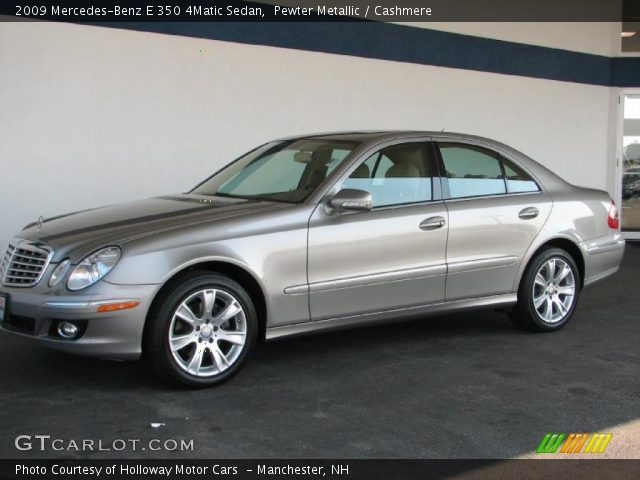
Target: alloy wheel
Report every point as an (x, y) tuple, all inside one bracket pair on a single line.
[(554, 289), (208, 332)]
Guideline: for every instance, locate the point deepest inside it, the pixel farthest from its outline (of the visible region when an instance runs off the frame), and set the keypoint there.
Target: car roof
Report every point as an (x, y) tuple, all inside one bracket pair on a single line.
[(375, 136)]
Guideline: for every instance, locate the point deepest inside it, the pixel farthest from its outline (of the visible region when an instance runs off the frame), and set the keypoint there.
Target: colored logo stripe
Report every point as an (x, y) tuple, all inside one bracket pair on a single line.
[(573, 442), (598, 442), (551, 442)]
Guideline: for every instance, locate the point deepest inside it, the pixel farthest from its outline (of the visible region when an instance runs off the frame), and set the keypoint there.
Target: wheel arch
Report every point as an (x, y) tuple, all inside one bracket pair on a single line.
[(565, 244), (232, 270)]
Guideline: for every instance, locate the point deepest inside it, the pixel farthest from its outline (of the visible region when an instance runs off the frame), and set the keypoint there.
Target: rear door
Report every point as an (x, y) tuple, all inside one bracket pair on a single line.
[(496, 210)]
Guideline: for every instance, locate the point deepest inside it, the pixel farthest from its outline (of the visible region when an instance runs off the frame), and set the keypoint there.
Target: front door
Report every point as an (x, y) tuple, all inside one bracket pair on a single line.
[(390, 257)]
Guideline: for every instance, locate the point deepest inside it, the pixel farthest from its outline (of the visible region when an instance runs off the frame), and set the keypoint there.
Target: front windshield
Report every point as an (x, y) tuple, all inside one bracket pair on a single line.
[(284, 171)]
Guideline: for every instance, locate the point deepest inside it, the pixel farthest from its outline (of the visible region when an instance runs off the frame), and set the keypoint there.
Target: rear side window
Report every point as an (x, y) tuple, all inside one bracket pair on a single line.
[(472, 171)]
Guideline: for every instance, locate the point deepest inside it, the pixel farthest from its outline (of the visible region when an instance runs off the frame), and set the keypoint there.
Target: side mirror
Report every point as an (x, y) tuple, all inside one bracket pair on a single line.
[(350, 200)]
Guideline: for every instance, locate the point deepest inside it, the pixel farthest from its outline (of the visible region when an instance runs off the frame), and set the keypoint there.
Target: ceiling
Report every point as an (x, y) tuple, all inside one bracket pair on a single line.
[(631, 23)]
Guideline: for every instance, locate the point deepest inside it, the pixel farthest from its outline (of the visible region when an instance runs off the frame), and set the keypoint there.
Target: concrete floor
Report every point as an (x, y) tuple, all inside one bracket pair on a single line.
[(459, 386)]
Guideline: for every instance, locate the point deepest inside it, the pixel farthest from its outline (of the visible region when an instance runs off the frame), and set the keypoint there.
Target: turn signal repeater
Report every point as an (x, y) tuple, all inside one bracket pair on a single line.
[(612, 219), (113, 307)]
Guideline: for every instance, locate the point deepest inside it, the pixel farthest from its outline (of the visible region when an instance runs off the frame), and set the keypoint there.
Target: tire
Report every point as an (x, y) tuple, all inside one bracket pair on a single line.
[(546, 284), (200, 331)]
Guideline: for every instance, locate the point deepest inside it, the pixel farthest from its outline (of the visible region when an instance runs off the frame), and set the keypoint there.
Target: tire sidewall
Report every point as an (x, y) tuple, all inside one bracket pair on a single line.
[(526, 289), (158, 332)]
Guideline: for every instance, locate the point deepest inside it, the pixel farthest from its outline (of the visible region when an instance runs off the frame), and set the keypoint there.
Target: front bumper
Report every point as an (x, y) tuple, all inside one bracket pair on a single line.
[(34, 312)]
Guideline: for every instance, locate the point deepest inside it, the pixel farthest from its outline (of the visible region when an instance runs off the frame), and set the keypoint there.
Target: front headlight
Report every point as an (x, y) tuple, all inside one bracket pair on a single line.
[(93, 268)]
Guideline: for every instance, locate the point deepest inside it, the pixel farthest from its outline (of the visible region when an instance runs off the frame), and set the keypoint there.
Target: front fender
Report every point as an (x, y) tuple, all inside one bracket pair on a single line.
[(159, 266)]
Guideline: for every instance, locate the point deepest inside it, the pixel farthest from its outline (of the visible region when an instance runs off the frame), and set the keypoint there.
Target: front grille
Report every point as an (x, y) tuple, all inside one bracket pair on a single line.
[(24, 264)]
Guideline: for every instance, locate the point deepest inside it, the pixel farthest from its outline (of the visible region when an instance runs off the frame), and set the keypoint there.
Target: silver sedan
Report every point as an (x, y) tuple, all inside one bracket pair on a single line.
[(306, 234)]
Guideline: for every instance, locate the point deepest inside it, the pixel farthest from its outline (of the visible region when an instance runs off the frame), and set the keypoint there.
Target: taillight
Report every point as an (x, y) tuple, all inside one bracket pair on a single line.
[(612, 219)]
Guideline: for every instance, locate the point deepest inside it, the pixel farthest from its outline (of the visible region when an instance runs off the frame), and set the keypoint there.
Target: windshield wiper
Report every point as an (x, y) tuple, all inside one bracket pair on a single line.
[(226, 195), (247, 197)]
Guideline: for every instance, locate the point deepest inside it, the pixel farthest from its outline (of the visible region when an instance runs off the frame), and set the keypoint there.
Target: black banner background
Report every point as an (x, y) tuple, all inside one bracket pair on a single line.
[(355, 469), (441, 10)]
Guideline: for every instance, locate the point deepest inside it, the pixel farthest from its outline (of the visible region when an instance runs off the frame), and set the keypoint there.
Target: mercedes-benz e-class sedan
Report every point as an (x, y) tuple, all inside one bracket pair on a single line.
[(306, 234)]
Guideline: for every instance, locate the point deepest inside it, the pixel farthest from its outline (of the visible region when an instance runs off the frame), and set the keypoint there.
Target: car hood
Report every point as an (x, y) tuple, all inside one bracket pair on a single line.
[(118, 224)]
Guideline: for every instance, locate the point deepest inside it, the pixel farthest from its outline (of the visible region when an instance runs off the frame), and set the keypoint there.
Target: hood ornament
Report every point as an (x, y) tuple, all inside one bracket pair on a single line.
[(40, 223)]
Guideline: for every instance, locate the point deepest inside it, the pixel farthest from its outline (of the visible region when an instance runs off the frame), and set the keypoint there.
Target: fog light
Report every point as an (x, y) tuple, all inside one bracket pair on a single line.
[(68, 330)]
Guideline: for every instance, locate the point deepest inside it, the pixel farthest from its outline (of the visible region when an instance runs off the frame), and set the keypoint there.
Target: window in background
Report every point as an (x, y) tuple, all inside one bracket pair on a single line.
[(630, 211)]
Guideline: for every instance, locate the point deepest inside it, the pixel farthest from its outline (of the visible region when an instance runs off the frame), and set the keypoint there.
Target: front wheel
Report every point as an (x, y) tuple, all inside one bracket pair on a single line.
[(202, 331), (548, 292)]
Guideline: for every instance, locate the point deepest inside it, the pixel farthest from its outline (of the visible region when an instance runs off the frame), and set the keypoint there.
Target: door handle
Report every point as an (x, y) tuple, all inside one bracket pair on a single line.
[(432, 223), (529, 212)]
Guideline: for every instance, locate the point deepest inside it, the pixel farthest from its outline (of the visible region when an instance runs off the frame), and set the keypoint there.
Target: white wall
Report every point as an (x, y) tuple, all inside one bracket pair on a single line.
[(92, 116)]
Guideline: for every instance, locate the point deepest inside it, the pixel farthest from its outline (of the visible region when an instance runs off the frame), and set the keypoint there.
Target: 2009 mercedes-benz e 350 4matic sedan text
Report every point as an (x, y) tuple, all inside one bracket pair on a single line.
[(305, 234)]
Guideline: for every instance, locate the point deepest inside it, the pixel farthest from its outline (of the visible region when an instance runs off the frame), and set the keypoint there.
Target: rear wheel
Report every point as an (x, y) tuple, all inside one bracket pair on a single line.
[(202, 331), (548, 292)]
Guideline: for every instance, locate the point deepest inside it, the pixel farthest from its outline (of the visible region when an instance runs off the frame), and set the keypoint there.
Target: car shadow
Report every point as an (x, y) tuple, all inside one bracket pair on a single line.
[(39, 365)]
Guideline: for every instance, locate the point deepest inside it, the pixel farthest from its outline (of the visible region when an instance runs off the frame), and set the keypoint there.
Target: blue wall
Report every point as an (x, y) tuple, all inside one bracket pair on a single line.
[(413, 45)]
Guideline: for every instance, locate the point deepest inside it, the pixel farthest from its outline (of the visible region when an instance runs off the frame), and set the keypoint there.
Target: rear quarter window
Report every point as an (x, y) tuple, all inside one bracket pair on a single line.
[(518, 181)]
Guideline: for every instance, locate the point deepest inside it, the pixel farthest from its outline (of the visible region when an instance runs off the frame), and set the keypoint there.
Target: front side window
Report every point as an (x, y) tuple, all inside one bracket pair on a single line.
[(395, 175), (285, 171), (472, 171)]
